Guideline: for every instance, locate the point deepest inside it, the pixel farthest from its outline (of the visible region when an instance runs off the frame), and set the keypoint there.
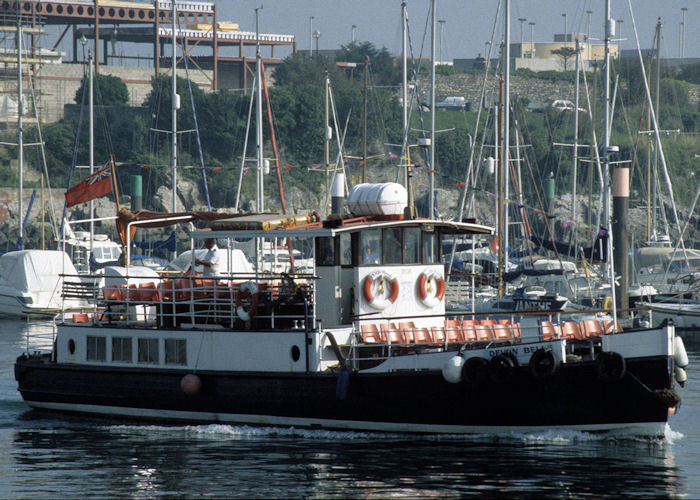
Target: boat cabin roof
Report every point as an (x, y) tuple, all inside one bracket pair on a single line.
[(310, 225)]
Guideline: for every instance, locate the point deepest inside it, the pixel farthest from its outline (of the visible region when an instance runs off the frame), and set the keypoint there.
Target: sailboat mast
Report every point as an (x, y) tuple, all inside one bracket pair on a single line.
[(575, 154), (20, 139), (609, 30), (431, 188), (404, 85), (656, 110), (506, 134), (175, 106), (260, 202), (92, 153), (328, 134)]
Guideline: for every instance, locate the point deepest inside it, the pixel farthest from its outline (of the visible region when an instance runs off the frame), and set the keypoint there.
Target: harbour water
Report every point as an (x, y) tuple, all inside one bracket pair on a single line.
[(50, 455)]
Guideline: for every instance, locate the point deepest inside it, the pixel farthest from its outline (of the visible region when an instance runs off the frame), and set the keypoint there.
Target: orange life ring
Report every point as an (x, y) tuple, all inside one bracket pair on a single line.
[(379, 279), (425, 288), (251, 289)]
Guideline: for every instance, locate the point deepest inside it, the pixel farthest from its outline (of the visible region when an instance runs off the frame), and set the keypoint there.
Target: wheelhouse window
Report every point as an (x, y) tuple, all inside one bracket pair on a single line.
[(96, 348), (430, 247), (371, 247), (121, 349), (411, 245), (345, 249), (392, 245), (148, 351), (325, 251), (175, 352)]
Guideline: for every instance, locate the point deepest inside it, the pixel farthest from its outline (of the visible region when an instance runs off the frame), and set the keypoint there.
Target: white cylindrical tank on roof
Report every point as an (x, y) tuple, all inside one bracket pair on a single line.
[(388, 198)]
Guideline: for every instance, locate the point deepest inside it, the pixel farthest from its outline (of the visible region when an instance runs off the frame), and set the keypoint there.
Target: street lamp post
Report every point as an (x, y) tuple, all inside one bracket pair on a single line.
[(532, 42), (442, 32), (682, 36), (352, 37), (588, 33), (521, 20), (565, 29), (311, 34)]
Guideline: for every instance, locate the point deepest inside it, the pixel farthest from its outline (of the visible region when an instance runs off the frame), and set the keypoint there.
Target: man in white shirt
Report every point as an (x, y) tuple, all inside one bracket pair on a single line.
[(210, 262)]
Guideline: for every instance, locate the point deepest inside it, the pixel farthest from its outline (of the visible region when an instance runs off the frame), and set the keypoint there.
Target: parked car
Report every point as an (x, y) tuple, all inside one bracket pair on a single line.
[(565, 105), (454, 103)]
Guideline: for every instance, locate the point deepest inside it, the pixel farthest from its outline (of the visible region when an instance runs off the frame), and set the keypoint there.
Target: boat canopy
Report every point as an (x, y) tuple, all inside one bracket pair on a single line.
[(34, 270)]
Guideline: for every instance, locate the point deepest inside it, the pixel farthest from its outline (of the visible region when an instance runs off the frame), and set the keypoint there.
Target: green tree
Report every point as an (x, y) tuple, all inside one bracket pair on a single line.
[(108, 91), (565, 53), (382, 64)]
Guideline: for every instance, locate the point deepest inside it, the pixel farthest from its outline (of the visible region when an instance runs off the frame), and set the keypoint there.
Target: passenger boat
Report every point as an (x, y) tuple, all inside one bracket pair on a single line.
[(361, 343)]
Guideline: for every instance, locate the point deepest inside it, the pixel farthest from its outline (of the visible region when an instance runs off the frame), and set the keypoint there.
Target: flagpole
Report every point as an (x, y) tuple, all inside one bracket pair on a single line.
[(114, 183)]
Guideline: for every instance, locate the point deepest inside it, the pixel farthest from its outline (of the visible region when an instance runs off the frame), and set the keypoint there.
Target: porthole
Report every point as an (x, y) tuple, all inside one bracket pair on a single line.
[(296, 353), (49, 8), (70, 9), (81, 11), (131, 13), (71, 346), (111, 12), (122, 12), (59, 9), (90, 11)]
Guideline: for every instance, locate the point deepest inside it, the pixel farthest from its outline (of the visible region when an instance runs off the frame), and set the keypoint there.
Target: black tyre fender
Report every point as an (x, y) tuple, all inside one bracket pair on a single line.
[(610, 366), (543, 364), (475, 371), (502, 367)]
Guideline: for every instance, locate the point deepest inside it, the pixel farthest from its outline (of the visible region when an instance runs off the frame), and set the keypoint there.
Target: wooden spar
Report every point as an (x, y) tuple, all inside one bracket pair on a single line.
[(273, 141), (278, 172)]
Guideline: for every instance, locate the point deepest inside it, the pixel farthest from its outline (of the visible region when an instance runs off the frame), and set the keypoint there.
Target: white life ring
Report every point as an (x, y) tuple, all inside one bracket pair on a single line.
[(380, 290), (431, 288), (251, 289)]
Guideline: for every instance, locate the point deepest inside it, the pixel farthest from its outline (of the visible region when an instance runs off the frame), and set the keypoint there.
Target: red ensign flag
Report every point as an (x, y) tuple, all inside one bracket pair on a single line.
[(94, 186)]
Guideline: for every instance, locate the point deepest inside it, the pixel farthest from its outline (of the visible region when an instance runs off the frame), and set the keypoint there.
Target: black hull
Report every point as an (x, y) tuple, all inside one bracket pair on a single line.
[(413, 401)]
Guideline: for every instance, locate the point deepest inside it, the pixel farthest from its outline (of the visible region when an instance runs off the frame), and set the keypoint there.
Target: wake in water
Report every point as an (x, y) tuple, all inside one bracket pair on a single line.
[(246, 432)]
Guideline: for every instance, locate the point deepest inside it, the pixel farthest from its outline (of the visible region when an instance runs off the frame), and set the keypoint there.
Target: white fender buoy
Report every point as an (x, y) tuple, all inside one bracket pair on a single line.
[(452, 370), (680, 356), (190, 384), (681, 376)]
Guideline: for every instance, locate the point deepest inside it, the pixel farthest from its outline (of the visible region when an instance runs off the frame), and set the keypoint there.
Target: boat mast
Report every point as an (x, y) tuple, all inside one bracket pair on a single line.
[(404, 88), (506, 137), (260, 202), (364, 119), (575, 155), (328, 135), (610, 269), (92, 155), (652, 181), (20, 144), (175, 101), (431, 171)]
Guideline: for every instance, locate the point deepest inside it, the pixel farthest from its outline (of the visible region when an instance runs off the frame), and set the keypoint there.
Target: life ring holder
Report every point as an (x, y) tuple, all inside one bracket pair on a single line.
[(379, 302), (424, 286), (251, 289)]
